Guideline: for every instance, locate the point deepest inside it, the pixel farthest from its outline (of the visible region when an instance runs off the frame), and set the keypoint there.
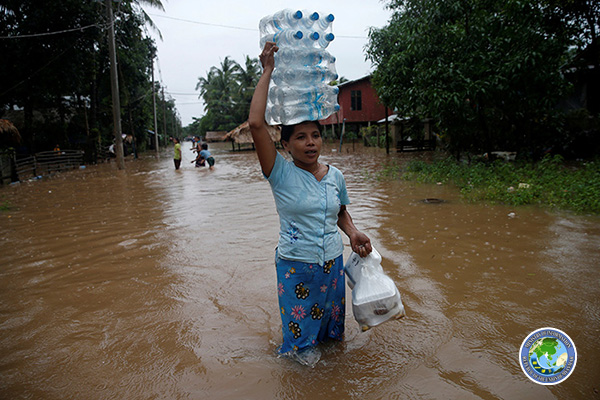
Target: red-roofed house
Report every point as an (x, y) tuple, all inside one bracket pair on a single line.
[(359, 105)]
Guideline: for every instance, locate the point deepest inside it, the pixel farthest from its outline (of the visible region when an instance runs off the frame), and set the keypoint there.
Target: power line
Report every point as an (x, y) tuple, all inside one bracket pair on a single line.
[(81, 28), (204, 23)]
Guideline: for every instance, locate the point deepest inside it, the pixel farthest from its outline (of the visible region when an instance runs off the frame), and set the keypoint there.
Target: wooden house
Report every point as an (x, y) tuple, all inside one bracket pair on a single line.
[(359, 106)]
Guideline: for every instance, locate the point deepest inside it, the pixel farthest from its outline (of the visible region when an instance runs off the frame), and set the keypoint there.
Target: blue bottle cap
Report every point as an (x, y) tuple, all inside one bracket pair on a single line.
[(329, 37), (336, 90), (297, 14), (298, 35), (330, 18), (336, 107), (314, 36), (314, 16)]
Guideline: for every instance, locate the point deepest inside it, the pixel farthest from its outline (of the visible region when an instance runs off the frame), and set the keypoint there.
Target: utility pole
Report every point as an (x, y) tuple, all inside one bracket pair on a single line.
[(164, 111), (114, 81), (387, 133), (154, 108)]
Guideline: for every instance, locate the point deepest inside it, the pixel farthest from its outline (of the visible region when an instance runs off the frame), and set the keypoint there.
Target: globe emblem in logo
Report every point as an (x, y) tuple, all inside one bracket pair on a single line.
[(548, 356)]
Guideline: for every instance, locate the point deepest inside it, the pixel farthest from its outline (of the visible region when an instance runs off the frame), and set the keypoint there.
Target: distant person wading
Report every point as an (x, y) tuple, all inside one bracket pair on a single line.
[(177, 153)]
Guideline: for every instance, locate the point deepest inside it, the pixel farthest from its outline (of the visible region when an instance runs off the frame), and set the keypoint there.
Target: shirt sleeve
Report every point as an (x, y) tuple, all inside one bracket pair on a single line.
[(278, 170), (344, 199)]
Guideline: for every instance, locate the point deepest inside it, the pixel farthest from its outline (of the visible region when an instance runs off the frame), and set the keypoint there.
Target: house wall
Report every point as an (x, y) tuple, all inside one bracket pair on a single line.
[(372, 110)]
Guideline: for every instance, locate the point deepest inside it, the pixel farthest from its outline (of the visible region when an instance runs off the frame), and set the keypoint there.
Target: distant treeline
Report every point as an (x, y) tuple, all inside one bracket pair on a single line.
[(55, 80)]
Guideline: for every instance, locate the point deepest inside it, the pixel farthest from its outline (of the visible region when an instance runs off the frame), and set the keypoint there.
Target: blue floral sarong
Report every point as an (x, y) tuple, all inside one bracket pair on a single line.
[(311, 302)]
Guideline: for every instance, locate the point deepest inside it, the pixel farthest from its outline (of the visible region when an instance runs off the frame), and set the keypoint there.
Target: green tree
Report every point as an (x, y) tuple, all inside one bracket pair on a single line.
[(218, 90), (227, 92), (54, 78), (342, 79), (247, 78), (489, 72)]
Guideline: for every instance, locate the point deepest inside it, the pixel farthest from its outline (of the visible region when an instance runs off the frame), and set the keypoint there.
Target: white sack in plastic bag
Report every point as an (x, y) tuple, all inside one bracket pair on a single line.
[(375, 297)]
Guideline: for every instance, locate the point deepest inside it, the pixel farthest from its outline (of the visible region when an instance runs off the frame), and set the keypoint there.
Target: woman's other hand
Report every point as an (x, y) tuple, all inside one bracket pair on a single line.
[(361, 244)]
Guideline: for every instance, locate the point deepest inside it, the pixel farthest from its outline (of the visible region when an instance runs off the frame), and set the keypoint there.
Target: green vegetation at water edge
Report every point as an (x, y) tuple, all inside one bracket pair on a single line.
[(4, 206), (550, 182)]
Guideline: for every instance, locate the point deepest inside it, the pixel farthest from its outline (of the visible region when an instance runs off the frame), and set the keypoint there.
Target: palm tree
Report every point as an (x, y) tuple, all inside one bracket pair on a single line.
[(218, 90), (145, 17), (247, 78)]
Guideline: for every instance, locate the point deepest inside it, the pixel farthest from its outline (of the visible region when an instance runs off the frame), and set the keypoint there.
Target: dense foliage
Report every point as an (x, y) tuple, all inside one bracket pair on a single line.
[(227, 91), (55, 80), (490, 73)]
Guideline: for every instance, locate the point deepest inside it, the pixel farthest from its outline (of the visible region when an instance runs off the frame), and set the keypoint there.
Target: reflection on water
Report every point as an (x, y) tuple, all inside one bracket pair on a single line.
[(156, 283)]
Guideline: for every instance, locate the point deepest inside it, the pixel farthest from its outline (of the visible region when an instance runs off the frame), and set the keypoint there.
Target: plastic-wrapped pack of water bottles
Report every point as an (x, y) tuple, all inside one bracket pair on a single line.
[(375, 297), (299, 89)]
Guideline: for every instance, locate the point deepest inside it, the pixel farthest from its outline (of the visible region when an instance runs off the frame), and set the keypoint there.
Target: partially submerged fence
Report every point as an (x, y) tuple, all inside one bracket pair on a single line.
[(40, 164)]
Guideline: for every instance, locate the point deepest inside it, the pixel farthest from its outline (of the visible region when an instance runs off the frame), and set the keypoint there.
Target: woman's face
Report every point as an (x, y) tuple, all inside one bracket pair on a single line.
[(305, 143)]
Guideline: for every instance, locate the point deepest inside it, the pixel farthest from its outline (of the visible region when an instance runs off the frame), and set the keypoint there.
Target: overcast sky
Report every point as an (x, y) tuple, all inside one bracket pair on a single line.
[(199, 34)]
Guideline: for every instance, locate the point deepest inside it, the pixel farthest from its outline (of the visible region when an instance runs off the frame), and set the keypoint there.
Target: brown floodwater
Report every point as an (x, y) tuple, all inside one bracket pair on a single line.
[(152, 283)]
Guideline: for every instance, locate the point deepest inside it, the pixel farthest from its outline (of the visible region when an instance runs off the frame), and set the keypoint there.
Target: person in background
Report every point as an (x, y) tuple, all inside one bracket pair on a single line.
[(311, 199), (177, 153), (197, 148), (205, 154)]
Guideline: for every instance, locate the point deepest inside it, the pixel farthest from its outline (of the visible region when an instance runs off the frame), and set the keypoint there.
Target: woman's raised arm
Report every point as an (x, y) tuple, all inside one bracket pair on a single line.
[(265, 148)]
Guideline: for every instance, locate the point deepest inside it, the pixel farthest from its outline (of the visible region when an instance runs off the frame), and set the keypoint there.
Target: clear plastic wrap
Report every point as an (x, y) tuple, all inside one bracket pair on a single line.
[(375, 297), (301, 64)]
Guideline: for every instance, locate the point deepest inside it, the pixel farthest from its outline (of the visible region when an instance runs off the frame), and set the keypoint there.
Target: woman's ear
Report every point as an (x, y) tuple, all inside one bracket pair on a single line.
[(284, 144)]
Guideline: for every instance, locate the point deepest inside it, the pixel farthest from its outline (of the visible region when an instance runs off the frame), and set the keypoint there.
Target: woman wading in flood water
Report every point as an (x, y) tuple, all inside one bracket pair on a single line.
[(311, 201)]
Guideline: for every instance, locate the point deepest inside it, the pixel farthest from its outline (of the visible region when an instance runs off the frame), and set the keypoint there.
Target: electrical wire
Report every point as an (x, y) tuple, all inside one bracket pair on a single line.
[(81, 28), (203, 23)]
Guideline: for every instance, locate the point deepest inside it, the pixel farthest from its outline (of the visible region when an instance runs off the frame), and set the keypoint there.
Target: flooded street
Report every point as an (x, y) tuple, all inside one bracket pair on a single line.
[(152, 283)]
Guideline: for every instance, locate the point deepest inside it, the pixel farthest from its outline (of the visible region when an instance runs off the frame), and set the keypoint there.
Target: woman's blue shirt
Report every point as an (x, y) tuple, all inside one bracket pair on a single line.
[(308, 212)]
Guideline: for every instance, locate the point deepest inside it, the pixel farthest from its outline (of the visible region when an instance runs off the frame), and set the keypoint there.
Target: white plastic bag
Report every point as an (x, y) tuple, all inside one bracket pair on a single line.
[(375, 297)]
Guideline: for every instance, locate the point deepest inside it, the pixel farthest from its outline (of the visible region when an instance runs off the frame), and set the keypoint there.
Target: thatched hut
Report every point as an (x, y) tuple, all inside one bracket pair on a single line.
[(215, 136), (242, 136), (9, 134)]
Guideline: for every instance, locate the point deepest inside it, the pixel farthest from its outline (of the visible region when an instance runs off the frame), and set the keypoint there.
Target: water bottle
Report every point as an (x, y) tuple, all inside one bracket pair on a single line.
[(289, 95), (314, 39), (317, 21), (311, 39), (283, 38), (299, 89), (303, 76), (274, 114), (307, 112), (309, 19), (324, 40), (305, 56), (324, 23), (283, 19)]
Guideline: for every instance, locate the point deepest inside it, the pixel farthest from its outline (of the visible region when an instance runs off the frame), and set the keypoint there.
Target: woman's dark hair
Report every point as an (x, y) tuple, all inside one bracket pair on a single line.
[(287, 130)]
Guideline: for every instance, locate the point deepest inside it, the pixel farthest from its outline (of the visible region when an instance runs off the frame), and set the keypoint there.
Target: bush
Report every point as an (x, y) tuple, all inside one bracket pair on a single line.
[(550, 182)]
